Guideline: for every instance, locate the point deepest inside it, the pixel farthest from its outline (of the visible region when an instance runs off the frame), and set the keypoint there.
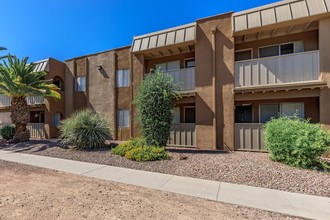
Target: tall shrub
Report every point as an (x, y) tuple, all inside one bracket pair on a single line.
[(85, 130), (155, 107), (296, 142)]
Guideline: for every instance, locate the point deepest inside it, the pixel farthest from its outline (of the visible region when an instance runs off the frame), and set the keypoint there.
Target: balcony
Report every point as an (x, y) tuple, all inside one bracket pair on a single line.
[(185, 78), (279, 70), (182, 135), (33, 100), (249, 137)]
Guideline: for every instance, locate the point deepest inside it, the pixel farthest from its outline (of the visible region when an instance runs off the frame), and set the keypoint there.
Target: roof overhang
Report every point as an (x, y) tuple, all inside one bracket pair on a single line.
[(278, 19), (167, 42), (281, 87), (42, 65)]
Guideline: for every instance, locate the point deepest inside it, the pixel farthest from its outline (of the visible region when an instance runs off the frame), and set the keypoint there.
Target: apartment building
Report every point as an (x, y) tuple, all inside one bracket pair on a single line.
[(45, 113), (236, 70)]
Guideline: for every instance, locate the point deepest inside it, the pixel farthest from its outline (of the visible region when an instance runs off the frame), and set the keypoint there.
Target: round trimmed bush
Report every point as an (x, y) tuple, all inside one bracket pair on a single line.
[(296, 142), (8, 132), (85, 129)]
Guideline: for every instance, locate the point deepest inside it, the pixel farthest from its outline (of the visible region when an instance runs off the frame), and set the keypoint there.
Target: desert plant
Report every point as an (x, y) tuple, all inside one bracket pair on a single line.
[(142, 154), (133, 143), (19, 80), (296, 142), (155, 107), (7, 132), (85, 130)]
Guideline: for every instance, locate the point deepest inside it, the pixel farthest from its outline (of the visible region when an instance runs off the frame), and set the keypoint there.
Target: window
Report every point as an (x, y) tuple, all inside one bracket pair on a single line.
[(189, 63), (57, 119), (269, 111), (281, 49), (189, 115), (81, 84), (176, 119), (123, 118), (122, 78), (59, 83), (243, 114), (37, 117), (243, 55), (169, 66)]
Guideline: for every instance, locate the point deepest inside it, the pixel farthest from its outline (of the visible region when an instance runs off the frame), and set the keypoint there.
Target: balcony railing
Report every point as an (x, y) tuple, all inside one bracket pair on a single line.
[(33, 100), (299, 67), (183, 135), (185, 78), (249, 137), (37, 130)]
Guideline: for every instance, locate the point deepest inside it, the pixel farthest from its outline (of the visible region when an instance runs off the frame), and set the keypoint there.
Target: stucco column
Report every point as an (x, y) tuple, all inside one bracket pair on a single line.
[(324, 36)]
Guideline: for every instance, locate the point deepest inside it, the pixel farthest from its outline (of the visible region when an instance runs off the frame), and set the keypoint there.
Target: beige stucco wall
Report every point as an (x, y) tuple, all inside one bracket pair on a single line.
[(56, 69), (324, 37), (100, 86), (224, 70)]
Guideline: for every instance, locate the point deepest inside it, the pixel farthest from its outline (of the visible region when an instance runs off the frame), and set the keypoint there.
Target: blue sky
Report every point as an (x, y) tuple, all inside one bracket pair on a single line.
[(63, 29)]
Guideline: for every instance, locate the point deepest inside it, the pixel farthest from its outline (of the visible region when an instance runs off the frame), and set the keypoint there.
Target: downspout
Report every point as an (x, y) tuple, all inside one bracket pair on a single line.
[(214, 92)]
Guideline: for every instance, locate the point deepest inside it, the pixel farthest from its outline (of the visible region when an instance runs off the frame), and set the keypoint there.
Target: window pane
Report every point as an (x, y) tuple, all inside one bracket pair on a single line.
[(299, 47), (176, 119), (269, 51), (126, 118), (81, 83), (126, 80), (243, 55), (190, 63), (292, 109), (269, 111), (173, 65), (162, 66), (189, 115), (287, 49)]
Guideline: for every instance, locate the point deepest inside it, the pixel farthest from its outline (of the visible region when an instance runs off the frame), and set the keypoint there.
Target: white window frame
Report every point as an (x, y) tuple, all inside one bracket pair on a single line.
[(279, 48), (79, 88), (280, 108), (123, 78), (166, 64), (121, 118)]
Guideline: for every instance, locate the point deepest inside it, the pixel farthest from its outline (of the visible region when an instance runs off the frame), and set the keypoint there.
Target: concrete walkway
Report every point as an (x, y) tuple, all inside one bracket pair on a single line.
[(306, 206)]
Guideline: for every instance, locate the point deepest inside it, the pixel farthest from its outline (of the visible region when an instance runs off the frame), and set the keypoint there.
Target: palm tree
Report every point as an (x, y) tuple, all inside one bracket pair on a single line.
[(2, 48), (18, 80)]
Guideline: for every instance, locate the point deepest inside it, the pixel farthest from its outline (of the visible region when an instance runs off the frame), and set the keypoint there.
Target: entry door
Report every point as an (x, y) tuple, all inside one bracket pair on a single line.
[(243, 114)]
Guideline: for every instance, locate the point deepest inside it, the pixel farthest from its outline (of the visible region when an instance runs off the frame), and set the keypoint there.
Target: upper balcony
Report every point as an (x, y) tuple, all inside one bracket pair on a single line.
[(185, 78), (280, 70), (5, 101)]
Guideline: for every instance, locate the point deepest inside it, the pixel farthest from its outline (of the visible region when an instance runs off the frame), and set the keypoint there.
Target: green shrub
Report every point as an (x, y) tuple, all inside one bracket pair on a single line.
[(137, 150), (142, 154), (122, 148), (296, 142), (8, 132), (155, 107), (85, 130)]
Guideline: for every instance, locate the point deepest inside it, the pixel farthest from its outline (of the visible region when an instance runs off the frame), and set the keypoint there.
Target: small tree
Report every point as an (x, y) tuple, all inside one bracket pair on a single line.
[(155, 107)]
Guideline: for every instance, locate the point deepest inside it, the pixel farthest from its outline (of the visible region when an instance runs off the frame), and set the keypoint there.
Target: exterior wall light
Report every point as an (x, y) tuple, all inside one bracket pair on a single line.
[(99, 67)]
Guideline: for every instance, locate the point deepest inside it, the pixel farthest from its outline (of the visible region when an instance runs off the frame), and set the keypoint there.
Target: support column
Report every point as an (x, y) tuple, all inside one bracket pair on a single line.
[(324, 36)]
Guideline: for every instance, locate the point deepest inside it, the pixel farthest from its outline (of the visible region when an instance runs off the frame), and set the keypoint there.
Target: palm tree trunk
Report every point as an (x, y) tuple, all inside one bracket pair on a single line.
[(20, 116)]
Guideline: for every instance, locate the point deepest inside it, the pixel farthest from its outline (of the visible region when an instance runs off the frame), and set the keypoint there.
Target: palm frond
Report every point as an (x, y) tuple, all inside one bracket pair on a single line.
[(18, 79)]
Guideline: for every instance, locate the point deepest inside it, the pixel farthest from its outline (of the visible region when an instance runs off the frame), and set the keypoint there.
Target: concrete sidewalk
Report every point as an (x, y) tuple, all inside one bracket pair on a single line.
[(306, 206)]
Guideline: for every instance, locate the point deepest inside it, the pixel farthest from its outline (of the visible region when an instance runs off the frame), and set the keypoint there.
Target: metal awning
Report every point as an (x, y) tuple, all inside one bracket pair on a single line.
[(177, 35), (42, 65), (278, 12), (281, 87)]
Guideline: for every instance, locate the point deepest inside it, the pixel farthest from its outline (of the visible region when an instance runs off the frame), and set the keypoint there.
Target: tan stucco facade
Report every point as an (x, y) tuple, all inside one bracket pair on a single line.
[(215, 98)]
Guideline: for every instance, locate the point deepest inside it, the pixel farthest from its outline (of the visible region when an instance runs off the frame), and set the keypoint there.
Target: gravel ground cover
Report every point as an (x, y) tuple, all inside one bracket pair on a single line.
[(34, 193), (254, 169)]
